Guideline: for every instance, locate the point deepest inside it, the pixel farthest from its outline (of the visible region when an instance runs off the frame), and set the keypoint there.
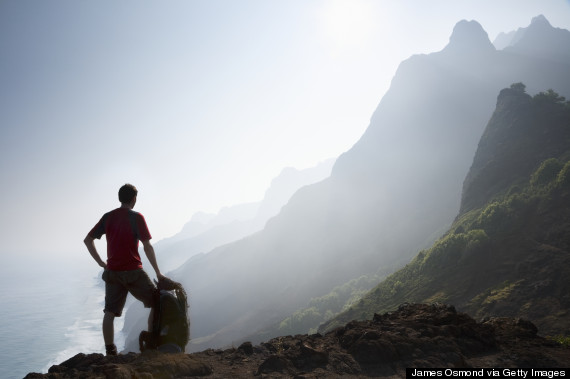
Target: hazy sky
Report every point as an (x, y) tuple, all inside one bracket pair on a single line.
[(198, 103)]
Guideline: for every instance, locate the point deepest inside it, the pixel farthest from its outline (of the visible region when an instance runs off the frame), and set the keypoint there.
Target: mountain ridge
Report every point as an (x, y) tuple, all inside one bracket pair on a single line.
[(469, 37), (507, 253), (529, 40), (387, 197), (204, 232)]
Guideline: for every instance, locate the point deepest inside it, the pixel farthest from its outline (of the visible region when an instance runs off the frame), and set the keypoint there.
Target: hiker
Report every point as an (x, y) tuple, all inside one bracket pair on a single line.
[(123, 271)]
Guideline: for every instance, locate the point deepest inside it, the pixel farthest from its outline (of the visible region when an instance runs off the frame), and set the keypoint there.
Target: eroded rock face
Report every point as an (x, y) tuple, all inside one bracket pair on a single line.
[(151, 364), (416, 335)]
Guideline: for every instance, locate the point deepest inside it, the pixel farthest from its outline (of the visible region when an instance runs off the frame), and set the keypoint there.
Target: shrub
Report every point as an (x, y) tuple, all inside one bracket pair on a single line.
[(476, 239), (396, 287), (492, 216), (519, 87), (563, 178), (549, 97), (302, 320), (546, 173), (562, 340), (446, 248)]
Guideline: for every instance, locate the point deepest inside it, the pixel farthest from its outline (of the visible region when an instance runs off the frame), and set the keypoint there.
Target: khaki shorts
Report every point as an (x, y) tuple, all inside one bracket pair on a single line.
[(119, 283)]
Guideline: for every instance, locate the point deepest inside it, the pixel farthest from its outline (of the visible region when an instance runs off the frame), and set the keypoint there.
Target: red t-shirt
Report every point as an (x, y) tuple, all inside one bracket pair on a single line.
[(124, 228)]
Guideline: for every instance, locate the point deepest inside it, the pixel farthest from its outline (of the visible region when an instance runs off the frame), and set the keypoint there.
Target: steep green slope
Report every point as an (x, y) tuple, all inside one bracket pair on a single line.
[(320, 309), (508, 252)]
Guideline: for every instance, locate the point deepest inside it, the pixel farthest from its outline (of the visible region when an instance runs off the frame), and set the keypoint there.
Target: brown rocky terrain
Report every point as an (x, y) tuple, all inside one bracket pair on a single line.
[(415, 335)]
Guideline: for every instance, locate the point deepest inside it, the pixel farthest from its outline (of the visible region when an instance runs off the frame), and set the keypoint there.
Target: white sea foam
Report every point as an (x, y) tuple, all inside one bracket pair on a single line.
[(51, 311), (85, 335)]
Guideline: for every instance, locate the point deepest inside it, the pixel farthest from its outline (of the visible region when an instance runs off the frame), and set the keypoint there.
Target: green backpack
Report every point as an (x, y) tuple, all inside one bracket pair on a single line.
[(170, 324)]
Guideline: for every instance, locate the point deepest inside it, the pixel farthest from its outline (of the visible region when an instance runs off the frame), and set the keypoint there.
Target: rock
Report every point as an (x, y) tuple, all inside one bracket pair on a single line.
[(275, 363), (415, 335), (246, 348), (151, 364)]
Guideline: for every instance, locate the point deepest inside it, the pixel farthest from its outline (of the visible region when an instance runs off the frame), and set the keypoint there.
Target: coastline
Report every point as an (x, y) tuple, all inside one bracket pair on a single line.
[(51, 312)]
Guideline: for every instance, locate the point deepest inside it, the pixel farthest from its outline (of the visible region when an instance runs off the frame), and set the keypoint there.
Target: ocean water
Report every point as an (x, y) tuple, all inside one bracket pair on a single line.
[(52, 310)]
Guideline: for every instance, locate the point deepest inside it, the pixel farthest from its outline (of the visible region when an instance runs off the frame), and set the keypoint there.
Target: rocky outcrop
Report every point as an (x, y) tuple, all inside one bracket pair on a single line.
[(151, 364), (416, 335), (522, 133)]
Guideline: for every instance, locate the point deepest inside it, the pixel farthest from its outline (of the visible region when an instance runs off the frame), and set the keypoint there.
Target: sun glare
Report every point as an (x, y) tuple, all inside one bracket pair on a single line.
[(347, 24)]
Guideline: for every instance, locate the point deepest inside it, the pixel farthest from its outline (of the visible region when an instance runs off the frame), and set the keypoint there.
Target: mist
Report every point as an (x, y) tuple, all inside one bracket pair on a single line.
[(198, 104), (204, 231), (202, 104), (392, 194)]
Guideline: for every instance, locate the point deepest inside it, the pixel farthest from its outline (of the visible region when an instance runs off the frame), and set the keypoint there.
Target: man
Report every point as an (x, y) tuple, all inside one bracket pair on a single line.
[(123, 271)]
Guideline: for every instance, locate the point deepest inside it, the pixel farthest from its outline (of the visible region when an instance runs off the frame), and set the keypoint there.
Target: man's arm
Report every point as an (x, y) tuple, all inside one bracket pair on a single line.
[(90, 243), (149, 251)]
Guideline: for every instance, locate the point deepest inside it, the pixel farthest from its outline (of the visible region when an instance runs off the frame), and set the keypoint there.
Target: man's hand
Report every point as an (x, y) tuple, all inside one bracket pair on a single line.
[(168, 284)]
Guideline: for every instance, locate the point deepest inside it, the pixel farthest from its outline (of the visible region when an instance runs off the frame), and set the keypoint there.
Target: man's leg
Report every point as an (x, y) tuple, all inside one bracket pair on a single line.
[(144, 290), (109, 328), (150, 317), (115, 297), (109, 333)]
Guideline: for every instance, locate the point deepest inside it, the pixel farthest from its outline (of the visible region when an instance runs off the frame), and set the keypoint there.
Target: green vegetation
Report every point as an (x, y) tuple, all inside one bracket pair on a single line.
[(495, 257), (303, 319), (434, 275), (451, 247), (562, 340), (497, 293), (549, 97), (563, 178), (519, 87), (546, 173), (506, 211), (324, 308)]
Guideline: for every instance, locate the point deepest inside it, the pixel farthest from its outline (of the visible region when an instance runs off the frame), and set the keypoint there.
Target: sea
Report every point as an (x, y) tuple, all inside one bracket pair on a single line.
[(52, 309)]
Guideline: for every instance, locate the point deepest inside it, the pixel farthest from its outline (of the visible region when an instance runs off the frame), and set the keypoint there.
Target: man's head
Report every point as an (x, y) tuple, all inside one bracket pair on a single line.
[(127, 194)]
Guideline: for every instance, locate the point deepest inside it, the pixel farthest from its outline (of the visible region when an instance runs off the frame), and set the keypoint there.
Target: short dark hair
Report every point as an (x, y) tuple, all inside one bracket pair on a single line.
[(127, 193)]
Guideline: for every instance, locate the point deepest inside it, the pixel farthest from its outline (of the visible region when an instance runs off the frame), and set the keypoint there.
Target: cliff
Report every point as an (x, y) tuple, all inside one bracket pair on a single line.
[(415, 335), (507, 252)]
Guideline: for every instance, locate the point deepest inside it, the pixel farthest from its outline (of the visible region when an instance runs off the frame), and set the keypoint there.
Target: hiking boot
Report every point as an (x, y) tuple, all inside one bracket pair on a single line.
[(111, 349)]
